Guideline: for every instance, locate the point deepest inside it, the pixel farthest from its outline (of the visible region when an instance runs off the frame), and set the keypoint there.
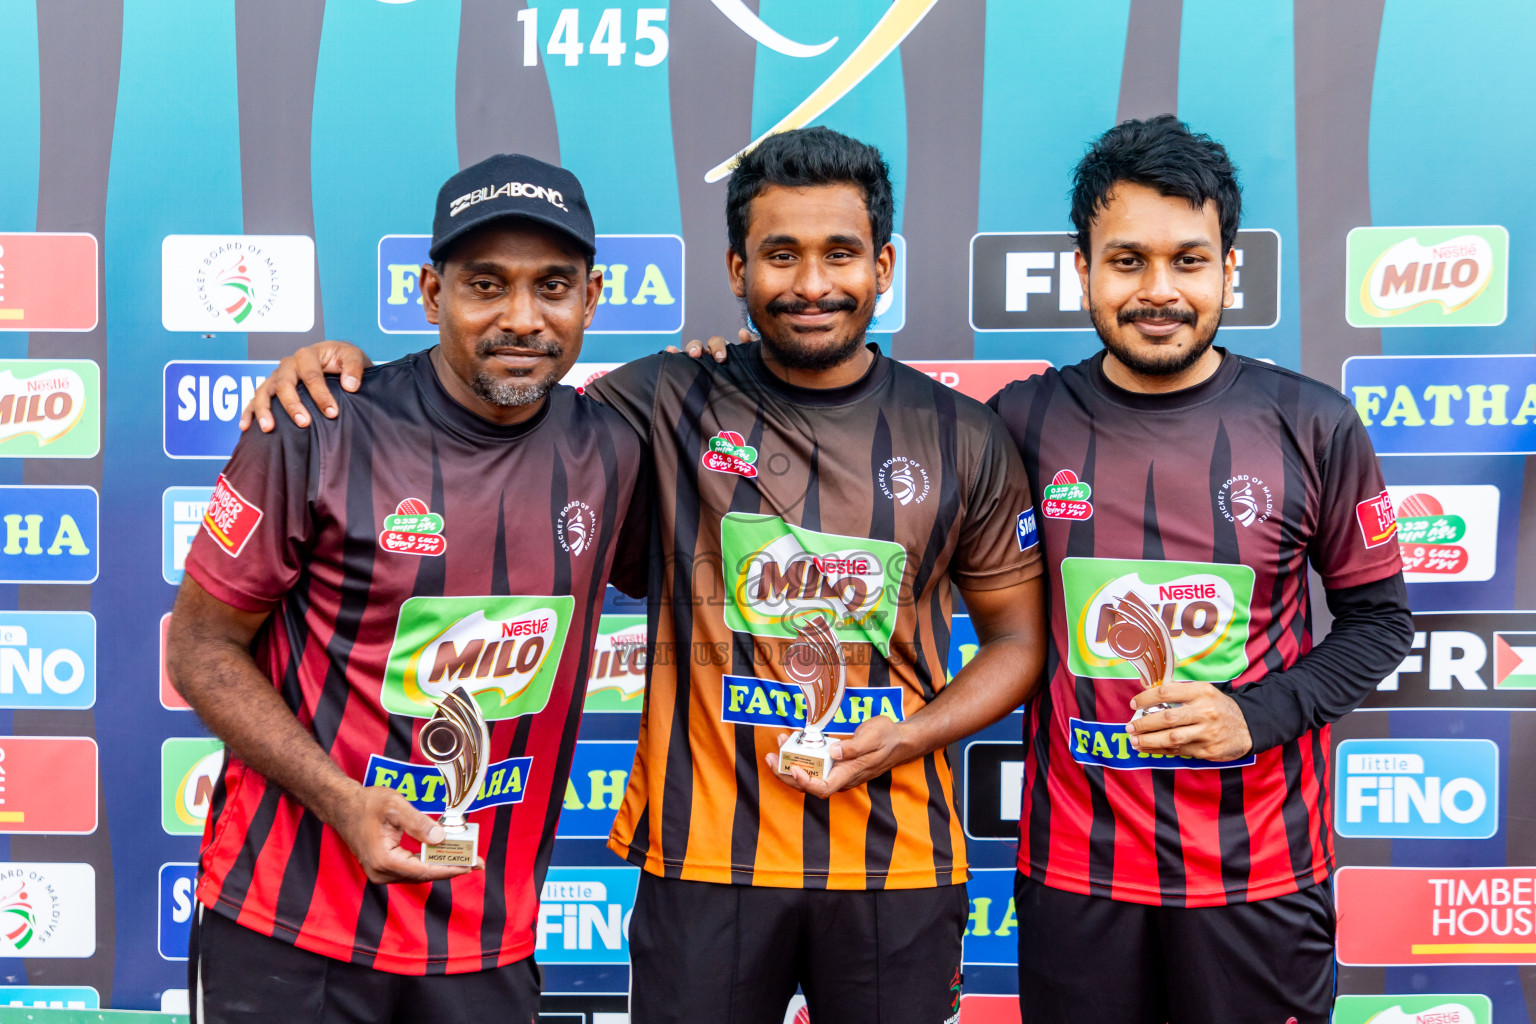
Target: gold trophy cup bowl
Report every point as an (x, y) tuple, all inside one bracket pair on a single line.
[(457, 741)]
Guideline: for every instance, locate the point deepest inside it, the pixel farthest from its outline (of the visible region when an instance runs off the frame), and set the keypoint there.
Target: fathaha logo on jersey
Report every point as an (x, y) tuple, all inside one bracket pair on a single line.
[(504, 650)]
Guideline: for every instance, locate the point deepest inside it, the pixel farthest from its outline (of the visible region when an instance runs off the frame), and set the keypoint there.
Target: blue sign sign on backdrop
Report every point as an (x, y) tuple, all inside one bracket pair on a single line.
[(1445, 405), (992, 933), (599, 772), (181, 516), (202, 403), (642, 285), (584, 915), (47, 660), (177, 903), (50, 534), (50, 997), (1417, 789)]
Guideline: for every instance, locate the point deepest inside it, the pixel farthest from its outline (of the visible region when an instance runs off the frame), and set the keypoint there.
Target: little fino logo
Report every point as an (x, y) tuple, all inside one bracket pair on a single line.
[(1427, 276), (1066, 497), (413, 529), (728, 452)]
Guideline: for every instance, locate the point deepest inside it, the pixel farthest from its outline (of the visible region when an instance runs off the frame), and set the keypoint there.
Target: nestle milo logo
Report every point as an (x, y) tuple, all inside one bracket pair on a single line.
[(776, 575), (504, 650), (1204, 605), (1427, 276)]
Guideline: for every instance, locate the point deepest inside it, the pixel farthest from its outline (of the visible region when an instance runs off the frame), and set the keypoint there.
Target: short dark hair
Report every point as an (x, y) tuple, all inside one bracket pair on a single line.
[(1164, 155), (804, 158)]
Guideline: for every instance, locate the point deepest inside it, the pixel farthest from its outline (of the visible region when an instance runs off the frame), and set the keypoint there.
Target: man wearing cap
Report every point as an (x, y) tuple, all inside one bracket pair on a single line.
[(805, 486), (455, 529)]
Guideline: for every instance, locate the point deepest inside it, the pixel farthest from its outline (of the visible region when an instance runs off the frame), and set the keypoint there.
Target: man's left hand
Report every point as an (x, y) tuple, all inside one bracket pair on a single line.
[(1207, 724), (874, 749)]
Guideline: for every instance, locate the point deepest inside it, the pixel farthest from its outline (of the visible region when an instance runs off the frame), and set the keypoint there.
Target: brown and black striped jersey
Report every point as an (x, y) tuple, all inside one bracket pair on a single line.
[(405, 548), (773, 502), (1207, 504)]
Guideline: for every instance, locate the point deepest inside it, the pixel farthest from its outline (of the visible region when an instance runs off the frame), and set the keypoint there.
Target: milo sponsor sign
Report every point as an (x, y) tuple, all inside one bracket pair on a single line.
[(778, 576), (616, 681), (1413, 1009), (1204, 605), (504, 650)]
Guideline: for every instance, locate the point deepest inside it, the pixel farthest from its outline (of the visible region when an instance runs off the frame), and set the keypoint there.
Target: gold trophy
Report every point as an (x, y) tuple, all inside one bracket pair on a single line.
[(1140, 636), (814, 662), (456, 740)]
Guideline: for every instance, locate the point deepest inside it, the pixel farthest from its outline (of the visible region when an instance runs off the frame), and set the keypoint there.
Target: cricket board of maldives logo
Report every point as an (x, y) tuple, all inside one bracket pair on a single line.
[(576, 527), (777, 575), (1245, 500), (504, 650), (903, 480), (1204, 606)]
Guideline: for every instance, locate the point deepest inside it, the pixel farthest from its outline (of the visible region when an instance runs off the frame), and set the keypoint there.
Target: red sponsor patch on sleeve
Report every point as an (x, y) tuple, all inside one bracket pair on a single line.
[(230, 519), (1377, 519)]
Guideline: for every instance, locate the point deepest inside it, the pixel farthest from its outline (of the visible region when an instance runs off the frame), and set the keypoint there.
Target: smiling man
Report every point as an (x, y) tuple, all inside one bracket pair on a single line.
[(1175, 853), (805, 486), (455, 527)]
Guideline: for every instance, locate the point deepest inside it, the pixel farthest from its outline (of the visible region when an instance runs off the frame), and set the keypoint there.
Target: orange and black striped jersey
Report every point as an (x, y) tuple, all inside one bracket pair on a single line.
[(862, 504)]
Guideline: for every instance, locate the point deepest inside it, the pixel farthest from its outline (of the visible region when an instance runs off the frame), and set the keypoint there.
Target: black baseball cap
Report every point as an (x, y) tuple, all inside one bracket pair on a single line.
[(511, 185)]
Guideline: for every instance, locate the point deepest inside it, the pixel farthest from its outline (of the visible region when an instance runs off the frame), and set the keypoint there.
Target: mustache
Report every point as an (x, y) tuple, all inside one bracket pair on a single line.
[(1183, 316), (778, 307), (533, 343)]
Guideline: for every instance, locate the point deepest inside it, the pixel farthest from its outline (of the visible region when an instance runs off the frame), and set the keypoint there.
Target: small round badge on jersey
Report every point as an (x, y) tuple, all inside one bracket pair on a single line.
[(413, 529)]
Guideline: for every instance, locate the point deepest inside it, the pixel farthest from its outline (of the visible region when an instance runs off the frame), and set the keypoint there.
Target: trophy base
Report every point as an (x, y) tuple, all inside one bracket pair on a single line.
[(455, 851), (796, 753), (1152, 709)]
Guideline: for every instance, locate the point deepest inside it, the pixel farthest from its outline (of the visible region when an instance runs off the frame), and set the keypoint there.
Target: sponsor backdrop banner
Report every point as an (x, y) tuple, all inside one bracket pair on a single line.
[(189, 189)]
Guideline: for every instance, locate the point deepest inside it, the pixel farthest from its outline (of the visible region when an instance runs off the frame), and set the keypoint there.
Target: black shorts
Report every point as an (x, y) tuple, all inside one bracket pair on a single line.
[(240, 976), (1090, 960), (702, 953)]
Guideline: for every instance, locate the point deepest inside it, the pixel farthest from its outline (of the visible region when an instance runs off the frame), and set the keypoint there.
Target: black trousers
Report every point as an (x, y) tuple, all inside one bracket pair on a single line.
[(239, 976), (1091, 960), (703, 953)]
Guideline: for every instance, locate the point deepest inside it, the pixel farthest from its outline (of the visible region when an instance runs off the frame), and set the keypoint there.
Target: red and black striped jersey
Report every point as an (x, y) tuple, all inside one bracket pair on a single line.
[(405, 548), (1207, 504), (864, 504)]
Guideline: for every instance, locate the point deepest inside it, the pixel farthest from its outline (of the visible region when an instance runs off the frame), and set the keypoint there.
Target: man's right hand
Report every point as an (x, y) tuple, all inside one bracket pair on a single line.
[(308, 365), (372, 824)]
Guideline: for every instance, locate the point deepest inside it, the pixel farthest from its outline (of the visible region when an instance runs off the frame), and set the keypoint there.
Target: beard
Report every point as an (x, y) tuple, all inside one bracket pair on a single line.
[(524, 388), (810, 351), (1159, 362)]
